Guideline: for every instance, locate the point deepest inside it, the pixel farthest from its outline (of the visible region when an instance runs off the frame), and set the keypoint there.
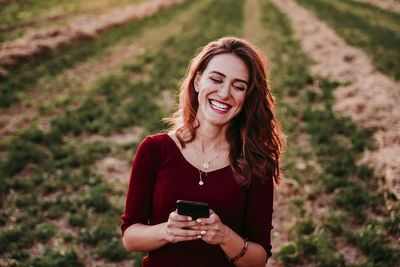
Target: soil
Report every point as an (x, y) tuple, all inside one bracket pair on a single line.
[(83, 76), (66, 16), (36, 42), (371, 99), (112, 167), (334, 58), (280, 235), (384, 4)]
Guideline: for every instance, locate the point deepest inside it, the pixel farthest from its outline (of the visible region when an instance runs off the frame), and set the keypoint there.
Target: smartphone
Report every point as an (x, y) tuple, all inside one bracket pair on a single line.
[(193, 209)]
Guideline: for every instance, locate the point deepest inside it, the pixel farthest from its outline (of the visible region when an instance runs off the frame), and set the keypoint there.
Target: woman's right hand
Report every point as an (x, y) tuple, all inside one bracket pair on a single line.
[(178, 228)]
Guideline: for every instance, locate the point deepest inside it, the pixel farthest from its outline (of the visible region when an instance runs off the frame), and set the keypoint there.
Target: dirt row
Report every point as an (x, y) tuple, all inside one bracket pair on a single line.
[(371, 98), (83, 76), (114, 166), (254, 32), (44, 22), (35, 43), (384, 4)]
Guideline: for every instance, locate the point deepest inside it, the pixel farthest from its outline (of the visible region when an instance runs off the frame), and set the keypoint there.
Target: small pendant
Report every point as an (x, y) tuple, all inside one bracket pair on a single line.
[(201, 182), (206, 165)]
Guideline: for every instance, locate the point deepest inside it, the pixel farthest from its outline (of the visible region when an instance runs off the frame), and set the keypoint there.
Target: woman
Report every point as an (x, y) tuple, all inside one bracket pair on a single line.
[(223, 149)]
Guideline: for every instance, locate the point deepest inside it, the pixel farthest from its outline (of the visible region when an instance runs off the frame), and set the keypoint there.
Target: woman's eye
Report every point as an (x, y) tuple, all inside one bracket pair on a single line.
[(216, 80), (239, 88)]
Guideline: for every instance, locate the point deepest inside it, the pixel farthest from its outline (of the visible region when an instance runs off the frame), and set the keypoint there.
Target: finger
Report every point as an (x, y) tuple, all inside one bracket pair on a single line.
[(214, 215), (176, 239), (178, 235), (207, 221), (180, 224), (188, 232), (204, 221), (211, 237), (179, 218), (200, 227)]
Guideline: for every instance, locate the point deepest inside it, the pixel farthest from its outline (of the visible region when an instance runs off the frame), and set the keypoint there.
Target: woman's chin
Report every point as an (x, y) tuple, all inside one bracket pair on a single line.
[(217, 122)]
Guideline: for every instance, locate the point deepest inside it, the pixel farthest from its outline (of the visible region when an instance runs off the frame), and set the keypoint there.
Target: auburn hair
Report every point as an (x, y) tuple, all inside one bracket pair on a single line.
[(254, 134)]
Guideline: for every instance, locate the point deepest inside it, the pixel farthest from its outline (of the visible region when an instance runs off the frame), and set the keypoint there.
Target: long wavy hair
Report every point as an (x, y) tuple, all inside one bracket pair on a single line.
[(254, 134)]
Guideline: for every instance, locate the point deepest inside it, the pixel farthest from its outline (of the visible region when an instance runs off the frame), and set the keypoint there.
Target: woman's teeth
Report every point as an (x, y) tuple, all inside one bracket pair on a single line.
[(218, 105)]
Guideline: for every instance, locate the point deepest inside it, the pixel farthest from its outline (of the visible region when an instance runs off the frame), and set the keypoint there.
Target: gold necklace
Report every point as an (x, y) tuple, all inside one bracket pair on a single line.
[(206, 165)]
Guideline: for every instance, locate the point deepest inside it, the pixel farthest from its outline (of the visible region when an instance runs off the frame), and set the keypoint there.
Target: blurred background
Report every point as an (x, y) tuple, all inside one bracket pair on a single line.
[(83, 82)]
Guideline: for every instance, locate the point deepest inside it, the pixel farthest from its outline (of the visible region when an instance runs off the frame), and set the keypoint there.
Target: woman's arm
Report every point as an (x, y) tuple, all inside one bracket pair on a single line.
[(233, 245), (141, 237)]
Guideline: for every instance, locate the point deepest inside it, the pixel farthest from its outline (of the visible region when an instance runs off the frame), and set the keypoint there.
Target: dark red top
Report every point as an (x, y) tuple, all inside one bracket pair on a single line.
[(161, 175)]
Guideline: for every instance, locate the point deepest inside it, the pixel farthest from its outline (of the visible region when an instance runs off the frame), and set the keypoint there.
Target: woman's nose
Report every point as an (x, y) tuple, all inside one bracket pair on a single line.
[(223, 91)]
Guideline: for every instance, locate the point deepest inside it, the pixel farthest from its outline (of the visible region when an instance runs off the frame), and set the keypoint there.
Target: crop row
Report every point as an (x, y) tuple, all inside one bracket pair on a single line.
[(20, 79), (374, 30), (50, 176), (334, 193), (18, 17)]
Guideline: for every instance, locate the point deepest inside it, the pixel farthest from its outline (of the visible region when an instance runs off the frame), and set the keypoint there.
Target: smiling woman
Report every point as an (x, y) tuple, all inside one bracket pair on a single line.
[(223, 149)]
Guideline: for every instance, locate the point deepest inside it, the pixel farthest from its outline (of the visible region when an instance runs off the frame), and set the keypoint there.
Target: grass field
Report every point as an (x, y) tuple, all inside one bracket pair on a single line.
[(71, 121), (18, 18), (374, 30), (332, 194)]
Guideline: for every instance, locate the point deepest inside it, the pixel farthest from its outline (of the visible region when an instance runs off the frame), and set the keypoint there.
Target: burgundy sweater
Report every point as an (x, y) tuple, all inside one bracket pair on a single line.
[(161, 175)]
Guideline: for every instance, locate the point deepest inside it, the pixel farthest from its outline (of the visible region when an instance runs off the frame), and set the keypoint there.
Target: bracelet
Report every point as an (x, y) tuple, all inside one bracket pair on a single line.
[(244, 249)]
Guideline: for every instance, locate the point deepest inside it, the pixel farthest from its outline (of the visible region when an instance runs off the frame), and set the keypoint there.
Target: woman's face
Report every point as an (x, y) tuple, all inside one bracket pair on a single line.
[(221, 89)]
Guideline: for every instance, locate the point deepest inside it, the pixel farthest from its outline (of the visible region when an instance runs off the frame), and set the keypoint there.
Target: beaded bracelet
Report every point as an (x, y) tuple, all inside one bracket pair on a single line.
[(244, 249)]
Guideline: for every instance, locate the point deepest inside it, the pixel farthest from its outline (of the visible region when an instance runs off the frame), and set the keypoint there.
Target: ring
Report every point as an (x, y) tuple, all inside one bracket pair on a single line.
[(203, 232)]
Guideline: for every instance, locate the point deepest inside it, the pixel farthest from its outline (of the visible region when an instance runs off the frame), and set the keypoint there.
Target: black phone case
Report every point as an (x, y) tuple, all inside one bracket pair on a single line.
[(193, 209)]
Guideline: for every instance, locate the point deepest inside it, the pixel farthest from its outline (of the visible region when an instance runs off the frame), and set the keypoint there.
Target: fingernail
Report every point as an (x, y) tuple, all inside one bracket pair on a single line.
[(198, 220), (203, 232), (190, 218), (199, 236)]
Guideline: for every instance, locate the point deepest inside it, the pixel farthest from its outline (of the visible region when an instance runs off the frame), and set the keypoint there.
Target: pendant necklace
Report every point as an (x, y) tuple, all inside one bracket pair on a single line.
[(206, 165)]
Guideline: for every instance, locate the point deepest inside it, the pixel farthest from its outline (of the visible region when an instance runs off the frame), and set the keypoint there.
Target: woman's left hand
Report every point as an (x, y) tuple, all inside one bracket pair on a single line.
[(214, 232)]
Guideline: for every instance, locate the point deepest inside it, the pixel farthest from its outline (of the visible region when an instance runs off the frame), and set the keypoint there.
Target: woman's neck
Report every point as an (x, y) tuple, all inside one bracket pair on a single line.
[(211, 137)]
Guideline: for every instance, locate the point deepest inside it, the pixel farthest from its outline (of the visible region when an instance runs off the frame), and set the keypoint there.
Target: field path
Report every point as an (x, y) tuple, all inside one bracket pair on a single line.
[(389, 5), (85, 74), (372, 99), (36, 43), (252, 29), (254, 32)]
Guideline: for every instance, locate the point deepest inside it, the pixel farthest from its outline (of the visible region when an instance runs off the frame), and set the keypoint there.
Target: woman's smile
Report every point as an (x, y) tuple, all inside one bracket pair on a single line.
[(218, 106)]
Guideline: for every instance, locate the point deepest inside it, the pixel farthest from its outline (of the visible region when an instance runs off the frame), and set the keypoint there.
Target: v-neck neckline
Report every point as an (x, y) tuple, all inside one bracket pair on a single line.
[(188, 162)]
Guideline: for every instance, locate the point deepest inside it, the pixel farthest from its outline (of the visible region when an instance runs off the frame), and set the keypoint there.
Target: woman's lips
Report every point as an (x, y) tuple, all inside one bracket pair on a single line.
[(219, 106)]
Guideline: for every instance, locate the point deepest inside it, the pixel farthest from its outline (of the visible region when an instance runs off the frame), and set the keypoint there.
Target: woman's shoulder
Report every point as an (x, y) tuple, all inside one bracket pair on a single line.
[(157, 140), (261, 186), (155, 147)]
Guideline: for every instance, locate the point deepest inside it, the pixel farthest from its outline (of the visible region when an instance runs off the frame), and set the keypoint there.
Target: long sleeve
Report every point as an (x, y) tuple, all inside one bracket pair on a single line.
[(258, 214), (140, 192)]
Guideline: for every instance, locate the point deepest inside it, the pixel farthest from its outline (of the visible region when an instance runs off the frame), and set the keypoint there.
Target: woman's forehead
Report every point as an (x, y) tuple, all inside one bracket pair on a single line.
[(228, 65)]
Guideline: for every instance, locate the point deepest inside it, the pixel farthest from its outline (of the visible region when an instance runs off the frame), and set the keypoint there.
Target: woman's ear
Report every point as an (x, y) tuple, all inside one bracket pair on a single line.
[(196, 82)]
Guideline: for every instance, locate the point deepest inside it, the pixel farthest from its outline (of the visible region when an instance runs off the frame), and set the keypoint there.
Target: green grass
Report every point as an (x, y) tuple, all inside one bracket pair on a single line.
[(372, 240), (51, 174), (16, 16), (331, 170), (374, 30), (22, 78)]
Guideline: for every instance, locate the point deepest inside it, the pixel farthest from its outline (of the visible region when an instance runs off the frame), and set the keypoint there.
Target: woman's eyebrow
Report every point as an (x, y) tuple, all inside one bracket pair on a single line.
[(219, 73)]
